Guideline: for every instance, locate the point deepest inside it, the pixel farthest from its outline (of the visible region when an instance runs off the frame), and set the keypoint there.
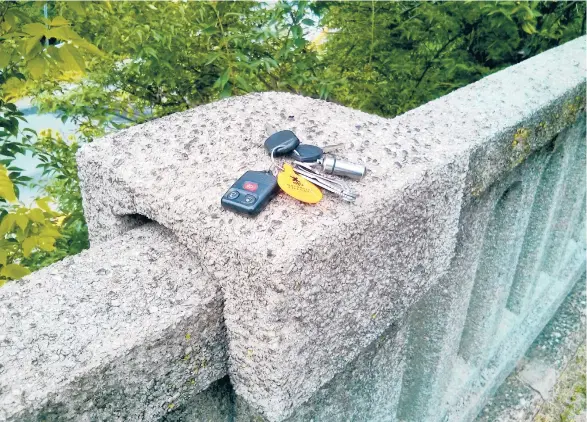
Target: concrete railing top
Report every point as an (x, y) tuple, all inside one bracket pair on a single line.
[(109, 316), (175, 169), (308, 286)]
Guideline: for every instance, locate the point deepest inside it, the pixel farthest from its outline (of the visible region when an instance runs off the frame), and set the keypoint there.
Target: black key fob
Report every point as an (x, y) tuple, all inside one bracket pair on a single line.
[(307, 153), (251, 192), (281, 143)]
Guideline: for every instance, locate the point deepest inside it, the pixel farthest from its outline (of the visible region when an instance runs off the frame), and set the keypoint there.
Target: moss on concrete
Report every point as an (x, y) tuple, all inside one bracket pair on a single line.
[(569, 401)]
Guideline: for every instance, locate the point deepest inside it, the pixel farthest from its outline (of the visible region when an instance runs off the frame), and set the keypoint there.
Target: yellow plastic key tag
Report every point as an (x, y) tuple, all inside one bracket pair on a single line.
[(298, 187)]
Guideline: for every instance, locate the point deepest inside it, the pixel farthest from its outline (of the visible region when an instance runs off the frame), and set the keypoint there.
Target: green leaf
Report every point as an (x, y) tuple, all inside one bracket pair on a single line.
[(528, 28), (226, 92), (6, 186), (22, 221), (47, 243), (3, 257), (213, 56), (36, 29), (221, 81), (10, 18), (296, 31), (14, 271), (210, 30), (71, 58), (59, 21), (91, 48), (49, 231), (32, 46), (53, 52), (243, 83), (28, 245), (7, 224), (43, 203), (299, 42), (308, 22), (64, 33), (5, 57), (76, 6), (36, 215), (37, 67)]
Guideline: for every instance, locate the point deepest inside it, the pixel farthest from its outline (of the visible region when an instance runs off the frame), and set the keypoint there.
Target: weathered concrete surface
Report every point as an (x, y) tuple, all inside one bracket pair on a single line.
[(309, 286), (471, 300), (438, 320), (215, 404), (468, 392), (366, 390), (296, 274), (129, 329), (523, 394)]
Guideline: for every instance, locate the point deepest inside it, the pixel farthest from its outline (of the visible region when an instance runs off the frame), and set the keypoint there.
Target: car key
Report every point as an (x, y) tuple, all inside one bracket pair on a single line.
[(281, 143), (307, 153), (251, 192), (338, 187)]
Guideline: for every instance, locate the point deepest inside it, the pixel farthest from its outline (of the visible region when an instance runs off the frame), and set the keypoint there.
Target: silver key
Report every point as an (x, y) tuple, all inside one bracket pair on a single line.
[(335, 186), (329, 148)]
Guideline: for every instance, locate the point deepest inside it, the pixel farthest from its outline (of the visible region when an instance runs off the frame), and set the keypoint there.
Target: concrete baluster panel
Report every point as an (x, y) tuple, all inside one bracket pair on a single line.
[(544, 202), (502, 243), (437, 321), (579, 229), (432, 345), (493, 273), (573, 186), (578, 210)]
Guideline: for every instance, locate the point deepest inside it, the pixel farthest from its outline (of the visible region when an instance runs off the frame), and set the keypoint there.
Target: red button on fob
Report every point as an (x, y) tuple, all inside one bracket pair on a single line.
[(250, 186)]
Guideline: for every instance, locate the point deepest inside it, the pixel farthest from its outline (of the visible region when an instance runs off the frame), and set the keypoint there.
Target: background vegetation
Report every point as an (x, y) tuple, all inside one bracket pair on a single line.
[(106, 65)]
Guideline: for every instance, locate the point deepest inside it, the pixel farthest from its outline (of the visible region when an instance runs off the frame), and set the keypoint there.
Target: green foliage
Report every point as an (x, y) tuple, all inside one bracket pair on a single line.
[(10, 146), (168, 56), (59, 166), (32, 237), (27, 235), (36, 48), (390, 57)]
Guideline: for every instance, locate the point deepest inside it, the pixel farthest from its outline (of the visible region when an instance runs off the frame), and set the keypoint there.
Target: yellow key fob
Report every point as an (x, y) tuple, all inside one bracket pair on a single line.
[(297, 186)]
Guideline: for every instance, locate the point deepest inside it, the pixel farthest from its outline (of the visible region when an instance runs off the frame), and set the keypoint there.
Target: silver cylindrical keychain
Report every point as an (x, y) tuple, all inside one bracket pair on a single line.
[(333, 165)]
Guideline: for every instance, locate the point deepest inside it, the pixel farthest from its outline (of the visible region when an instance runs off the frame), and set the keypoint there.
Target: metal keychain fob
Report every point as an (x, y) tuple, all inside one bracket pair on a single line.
[(333, 165), (251, 192)]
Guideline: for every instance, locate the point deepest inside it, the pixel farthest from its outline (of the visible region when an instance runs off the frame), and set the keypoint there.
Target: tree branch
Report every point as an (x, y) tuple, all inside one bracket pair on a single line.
[(440, 51), (431, 62)]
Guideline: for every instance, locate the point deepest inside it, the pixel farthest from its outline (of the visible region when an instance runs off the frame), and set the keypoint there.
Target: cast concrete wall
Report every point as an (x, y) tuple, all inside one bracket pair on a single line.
[(413, 303)]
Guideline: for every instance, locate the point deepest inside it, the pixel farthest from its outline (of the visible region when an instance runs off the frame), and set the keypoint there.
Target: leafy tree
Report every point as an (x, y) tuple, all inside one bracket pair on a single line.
[(61, 184), (169, 56), (31, 237), (26, 234), (390, 57)]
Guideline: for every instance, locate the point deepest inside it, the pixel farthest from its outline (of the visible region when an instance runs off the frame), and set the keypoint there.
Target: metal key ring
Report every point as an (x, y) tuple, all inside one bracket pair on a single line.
[(273, 162)]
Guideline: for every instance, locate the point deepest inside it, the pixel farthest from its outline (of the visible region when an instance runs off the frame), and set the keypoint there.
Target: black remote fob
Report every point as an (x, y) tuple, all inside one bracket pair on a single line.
[(251, 192), (281, 143)]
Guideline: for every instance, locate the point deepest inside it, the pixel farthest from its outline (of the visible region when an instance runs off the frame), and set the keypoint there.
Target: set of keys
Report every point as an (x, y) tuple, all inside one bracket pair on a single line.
[(300, 180)]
